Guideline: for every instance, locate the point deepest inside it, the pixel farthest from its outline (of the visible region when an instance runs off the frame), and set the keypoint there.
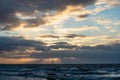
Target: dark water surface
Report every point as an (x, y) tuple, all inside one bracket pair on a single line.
[(60, 72)]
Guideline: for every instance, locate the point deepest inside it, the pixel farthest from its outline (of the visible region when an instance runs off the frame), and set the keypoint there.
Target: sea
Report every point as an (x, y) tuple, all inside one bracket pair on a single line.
[(59, 71)]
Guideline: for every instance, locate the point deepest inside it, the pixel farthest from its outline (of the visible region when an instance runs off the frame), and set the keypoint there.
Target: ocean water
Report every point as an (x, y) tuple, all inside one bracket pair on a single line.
[(60, 72)]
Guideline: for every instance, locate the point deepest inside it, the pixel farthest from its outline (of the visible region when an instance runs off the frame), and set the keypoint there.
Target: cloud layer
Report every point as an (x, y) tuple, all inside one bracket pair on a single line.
[(97, 54), (19, 44), (59, 31), (63, 52), (33, 13)]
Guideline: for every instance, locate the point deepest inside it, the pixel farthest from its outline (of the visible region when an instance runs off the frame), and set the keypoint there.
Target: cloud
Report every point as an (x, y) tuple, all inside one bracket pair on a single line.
[(48, 36), (109, 24), (97, 54), (82, 16), (102, 5), (16, 61), (60, 36), (76, 30), (74, 35), (92, 40), (30, 51), (108, 27), (62, 45), (103, 21), (102, 8), (34, 12), (113, 30), (109, 2), (76, 39), (19, 45)]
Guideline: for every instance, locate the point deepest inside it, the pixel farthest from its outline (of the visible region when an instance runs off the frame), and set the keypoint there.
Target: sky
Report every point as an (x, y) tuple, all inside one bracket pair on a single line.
[(59, 31)]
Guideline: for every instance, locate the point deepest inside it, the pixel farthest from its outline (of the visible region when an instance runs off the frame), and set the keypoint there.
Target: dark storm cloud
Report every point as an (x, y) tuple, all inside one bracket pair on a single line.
[(8, 9), (97, 54), (11, 44)]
